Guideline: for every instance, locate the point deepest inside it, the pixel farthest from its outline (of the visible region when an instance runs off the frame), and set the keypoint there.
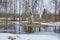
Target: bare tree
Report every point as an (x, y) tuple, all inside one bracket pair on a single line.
[(55, 13)]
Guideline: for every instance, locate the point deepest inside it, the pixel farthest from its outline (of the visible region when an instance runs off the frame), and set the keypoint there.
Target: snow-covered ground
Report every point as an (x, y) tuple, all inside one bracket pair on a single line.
[(34, 36)]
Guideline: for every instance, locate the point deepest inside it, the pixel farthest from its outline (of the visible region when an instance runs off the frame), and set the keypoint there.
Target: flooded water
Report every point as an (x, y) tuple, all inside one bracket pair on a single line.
[(22, 29)]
